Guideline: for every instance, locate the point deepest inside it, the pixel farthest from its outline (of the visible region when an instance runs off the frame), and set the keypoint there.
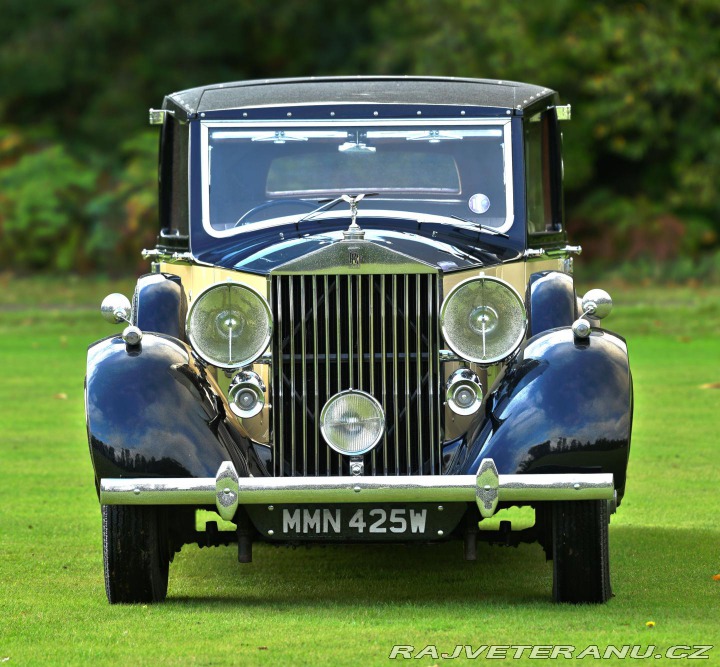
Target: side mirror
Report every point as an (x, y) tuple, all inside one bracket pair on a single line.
[(115, 308), (598, 303)]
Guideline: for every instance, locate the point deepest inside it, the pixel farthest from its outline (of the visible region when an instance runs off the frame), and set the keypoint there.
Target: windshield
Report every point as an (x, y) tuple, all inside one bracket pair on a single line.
[(255, 176)]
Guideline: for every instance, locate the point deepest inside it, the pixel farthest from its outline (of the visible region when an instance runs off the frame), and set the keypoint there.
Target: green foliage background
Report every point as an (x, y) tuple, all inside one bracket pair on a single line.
[(78, 164)]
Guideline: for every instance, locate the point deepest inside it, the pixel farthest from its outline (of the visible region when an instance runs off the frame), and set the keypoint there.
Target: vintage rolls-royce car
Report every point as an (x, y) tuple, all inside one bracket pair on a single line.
[(359, 325)]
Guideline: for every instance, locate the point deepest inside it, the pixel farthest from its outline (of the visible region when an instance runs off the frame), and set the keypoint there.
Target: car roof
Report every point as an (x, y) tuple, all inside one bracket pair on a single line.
[(360, 89)]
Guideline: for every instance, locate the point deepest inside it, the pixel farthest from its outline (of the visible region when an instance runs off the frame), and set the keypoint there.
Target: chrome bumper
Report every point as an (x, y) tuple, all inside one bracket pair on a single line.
[(226, 490)]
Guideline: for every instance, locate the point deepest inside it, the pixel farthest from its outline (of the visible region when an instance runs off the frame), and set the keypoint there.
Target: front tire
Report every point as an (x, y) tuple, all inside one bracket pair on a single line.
[(136, 553), (581, 562)]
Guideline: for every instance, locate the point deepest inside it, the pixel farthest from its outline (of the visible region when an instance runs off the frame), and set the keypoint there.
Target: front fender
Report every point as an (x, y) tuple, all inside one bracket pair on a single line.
[(154, 411), (562, 405)]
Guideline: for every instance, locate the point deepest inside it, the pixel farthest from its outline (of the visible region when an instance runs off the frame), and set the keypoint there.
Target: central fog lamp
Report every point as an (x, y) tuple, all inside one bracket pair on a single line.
[(352, 422)]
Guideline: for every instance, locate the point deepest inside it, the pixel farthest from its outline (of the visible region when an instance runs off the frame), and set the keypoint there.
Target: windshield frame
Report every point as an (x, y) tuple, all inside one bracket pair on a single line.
[(206, 126)]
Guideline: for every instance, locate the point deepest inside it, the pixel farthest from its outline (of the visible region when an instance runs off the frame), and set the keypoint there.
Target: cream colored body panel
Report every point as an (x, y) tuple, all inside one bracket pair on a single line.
[(197, 278), (517, 275)]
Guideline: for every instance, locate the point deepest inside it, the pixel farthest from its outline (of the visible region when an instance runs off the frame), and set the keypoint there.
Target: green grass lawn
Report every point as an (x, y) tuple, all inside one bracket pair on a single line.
[(339, 605)]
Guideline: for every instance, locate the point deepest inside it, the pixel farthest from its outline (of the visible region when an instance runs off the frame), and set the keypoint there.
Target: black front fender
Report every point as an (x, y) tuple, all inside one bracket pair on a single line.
[(563, 405), (154, 411)]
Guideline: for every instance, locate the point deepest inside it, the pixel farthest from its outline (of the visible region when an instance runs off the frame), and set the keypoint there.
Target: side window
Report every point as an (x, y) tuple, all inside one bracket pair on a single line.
[(542, 174)]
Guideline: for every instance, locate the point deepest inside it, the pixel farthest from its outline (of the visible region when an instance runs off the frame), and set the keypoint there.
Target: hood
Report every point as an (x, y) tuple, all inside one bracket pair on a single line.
[(319, 251)]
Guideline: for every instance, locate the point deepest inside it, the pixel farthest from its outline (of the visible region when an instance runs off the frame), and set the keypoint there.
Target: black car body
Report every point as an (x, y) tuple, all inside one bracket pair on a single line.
[(360, 325)]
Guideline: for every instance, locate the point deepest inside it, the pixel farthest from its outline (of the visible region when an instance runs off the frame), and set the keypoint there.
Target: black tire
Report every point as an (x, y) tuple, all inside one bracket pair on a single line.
[(136, 553), (581, 562)]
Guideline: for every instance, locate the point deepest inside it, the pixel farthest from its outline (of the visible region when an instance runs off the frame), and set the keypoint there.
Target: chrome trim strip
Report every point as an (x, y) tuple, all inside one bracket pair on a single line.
[(406, 319), (383, 368), (293, 447), (280, 380), (430, 366), (434, 367), (205, 126), (316, 372), (338, 349), (326, 298), (227, 491), (371, 334), (303, 373), (418, 368), (359, 122), (396, 422), (361, 360), (350, 317)]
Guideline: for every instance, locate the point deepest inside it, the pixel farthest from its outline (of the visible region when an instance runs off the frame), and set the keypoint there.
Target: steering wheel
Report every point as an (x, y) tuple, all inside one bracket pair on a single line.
[(274, 202)]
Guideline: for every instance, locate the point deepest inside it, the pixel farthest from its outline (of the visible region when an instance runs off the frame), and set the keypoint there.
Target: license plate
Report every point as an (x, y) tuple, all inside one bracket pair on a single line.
[(359, 522)]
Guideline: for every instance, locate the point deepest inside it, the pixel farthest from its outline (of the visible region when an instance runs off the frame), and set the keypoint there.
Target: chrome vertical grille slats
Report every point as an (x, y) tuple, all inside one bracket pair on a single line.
[(326, 306), (278, 365), (433, 341), (408, 360), (371, 310), (303, 369), (293, 393), (418, 372), (376, 333), (383, 369), (337, 293), (435, 372), (395, 378)]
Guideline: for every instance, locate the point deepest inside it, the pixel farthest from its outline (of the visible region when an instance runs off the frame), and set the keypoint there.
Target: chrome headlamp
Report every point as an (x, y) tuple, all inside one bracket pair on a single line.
[(483, 320), (229, 325), (352, 422)]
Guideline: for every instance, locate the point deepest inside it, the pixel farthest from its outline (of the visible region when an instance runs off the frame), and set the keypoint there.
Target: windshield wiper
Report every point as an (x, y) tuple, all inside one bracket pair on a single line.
[(484, 228), (329, 203)]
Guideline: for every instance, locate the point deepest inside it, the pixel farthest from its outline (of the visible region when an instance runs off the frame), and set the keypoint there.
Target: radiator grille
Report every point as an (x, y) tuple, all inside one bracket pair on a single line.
[(377, 333)]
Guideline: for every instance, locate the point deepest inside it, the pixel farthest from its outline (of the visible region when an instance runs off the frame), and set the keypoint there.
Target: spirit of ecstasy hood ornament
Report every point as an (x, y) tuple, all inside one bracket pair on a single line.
[(353, 232)]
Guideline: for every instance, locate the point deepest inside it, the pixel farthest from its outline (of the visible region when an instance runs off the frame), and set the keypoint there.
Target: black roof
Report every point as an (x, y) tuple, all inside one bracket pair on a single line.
[(361, 89)]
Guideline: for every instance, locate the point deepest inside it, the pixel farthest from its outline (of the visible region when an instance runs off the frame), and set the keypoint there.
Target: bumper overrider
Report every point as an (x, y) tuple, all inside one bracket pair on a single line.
[(227, 491)]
